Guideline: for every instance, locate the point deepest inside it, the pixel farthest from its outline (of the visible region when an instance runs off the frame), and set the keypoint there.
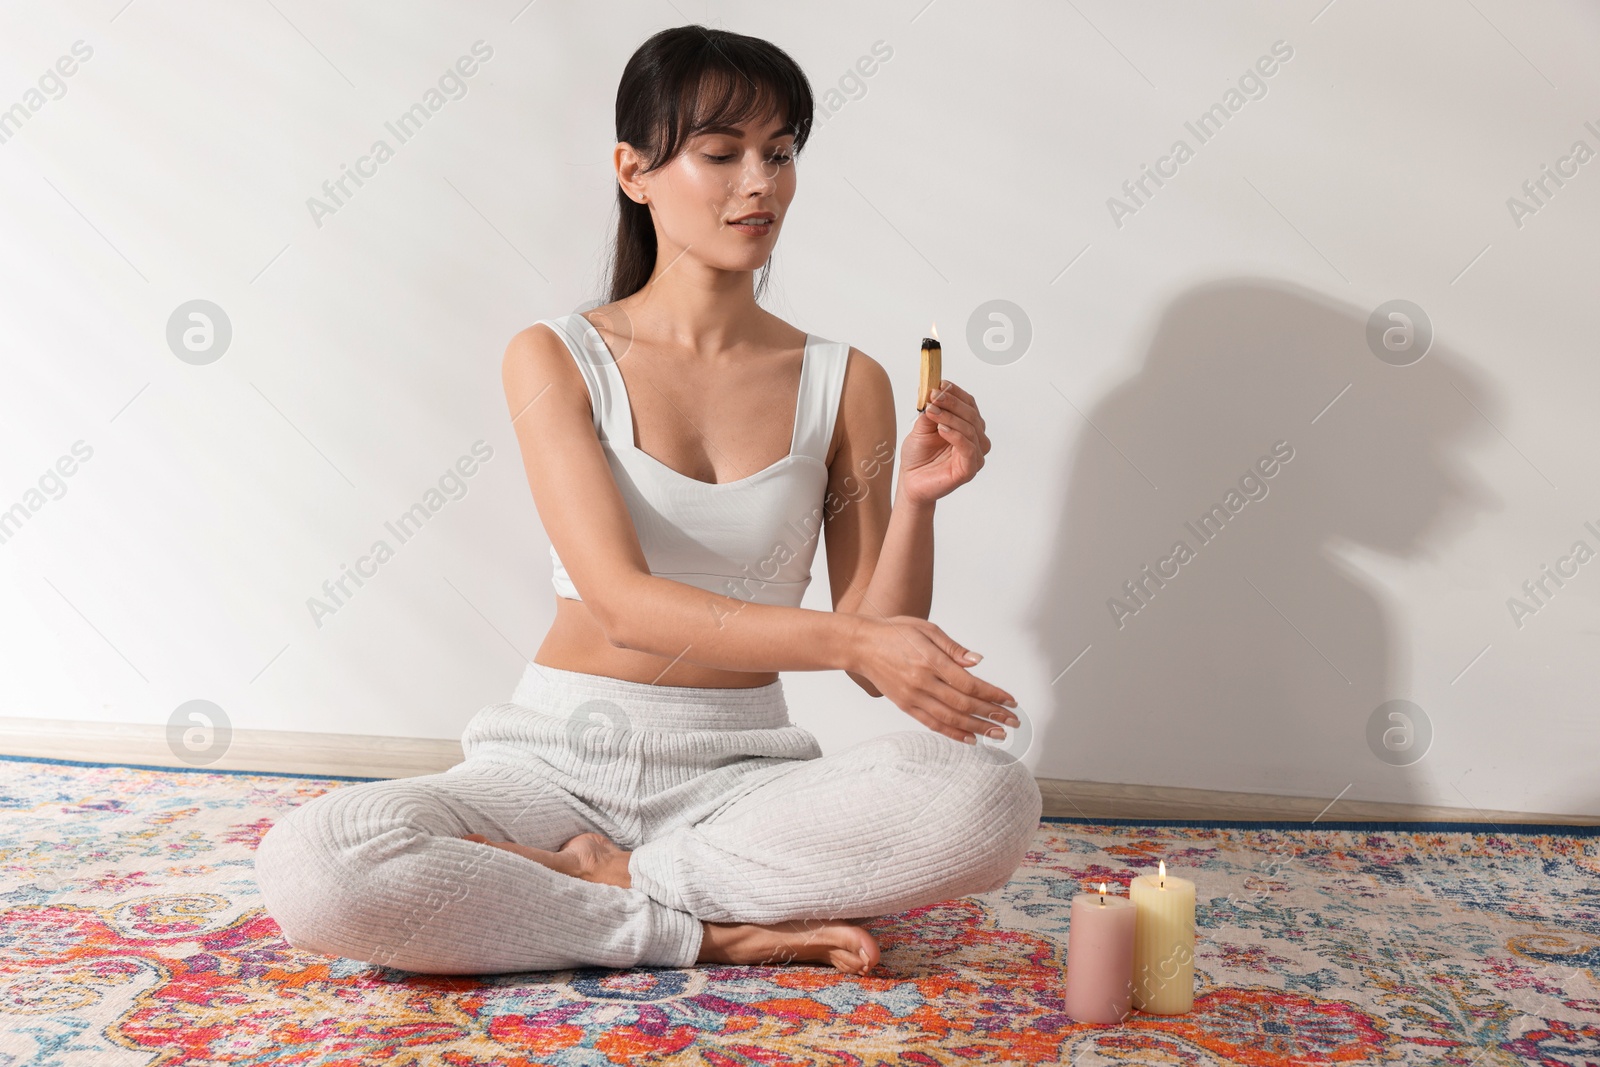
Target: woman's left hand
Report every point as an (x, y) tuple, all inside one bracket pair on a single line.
[(945, 447)]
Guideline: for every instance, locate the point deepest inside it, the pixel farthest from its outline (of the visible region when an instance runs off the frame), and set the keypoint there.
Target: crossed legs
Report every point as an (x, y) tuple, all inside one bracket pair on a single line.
[(844, 943), (401, 872), (895, 822), (379, 872)]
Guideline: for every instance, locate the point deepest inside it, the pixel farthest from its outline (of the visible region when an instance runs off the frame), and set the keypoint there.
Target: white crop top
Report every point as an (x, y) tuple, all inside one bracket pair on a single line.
[(754, 538)]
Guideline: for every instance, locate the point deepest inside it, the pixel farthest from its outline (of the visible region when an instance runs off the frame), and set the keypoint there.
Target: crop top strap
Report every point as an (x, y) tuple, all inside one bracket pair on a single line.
[(821, 385), (608, 396)]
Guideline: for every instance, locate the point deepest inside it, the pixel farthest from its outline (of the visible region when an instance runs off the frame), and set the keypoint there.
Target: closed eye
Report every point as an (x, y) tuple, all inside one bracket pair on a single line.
[(779, 158)]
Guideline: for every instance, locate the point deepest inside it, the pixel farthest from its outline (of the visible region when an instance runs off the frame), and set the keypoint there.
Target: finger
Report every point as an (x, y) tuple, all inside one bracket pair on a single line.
[(938, 726), (966, 708), (956, 397), (958, 402), (958, 653), (991, 723), (955, 675), (960, 435), (955, 420), (970, 684), (963, 441), (965, 727), (963, 714)]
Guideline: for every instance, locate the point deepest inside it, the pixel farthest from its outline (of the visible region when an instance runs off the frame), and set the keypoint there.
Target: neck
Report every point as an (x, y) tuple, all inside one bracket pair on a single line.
[(694, 305)]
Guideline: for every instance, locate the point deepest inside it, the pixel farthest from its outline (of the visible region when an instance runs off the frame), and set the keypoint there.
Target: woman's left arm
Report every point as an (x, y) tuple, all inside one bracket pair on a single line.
[(880, 557)]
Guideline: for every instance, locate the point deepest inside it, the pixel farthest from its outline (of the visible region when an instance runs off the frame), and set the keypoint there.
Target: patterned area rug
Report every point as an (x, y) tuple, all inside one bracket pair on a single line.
[(131, 933)]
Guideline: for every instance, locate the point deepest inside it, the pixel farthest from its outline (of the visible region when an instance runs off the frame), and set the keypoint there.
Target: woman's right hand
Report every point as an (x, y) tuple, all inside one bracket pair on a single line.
[(924, 672)]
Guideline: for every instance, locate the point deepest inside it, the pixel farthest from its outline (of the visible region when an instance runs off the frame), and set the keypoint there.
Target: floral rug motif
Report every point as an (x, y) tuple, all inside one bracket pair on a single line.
[(131, 933)]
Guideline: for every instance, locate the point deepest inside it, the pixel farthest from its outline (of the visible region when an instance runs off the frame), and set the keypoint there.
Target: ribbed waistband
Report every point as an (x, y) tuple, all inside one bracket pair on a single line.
[(554, 691)]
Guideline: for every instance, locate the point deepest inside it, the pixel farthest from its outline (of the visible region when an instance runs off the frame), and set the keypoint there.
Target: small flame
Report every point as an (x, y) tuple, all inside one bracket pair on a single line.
[(1163, 866), (1102, 887), (933, 331)]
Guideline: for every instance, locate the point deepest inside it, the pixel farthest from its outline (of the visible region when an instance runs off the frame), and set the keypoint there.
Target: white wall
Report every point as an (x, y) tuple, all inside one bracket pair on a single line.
[(1183, 340)]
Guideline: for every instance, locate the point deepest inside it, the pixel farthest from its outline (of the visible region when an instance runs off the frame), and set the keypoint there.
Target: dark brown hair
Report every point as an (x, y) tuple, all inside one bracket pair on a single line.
[(682, 81)]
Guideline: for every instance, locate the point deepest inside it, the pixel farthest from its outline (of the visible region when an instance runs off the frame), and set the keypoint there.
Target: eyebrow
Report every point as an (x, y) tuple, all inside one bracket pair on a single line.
[(779, 131)]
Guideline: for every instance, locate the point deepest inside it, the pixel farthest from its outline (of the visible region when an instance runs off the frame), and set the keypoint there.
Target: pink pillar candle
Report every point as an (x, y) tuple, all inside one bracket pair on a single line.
[(1100, 957)]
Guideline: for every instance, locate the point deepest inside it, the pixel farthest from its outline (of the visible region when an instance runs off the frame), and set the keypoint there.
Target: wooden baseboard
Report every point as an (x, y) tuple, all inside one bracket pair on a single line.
[(367, 756), (268, 751), (1111, 800)]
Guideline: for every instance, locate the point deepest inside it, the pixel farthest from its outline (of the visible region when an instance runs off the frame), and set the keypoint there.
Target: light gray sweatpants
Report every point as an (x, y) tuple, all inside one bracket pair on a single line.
[(732, 814)]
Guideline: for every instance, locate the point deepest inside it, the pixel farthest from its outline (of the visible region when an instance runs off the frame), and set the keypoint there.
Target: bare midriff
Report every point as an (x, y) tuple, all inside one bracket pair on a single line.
[(576, 643)]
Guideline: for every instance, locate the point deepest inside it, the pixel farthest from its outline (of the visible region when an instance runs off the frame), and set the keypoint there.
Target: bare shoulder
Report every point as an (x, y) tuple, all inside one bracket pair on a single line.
[(866, 403), (867, 376), (536, 359), (536, 344)]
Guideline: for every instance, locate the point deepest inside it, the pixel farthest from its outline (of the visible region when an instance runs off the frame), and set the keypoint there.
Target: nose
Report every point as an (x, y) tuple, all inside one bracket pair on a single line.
[(759, 177)]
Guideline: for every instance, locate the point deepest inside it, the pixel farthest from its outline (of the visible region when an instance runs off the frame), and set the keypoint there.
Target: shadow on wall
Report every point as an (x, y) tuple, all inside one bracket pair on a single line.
[(1253, 658)]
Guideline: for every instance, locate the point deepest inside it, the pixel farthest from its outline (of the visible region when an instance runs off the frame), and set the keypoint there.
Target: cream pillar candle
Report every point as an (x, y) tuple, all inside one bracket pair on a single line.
[(1100, 957), (1163, 943)]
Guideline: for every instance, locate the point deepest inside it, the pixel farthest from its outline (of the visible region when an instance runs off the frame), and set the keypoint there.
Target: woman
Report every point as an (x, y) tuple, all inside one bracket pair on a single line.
[(653, 716)]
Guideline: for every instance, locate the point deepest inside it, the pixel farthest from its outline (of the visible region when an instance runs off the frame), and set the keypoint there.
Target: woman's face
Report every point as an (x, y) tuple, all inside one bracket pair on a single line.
[(723, 197)]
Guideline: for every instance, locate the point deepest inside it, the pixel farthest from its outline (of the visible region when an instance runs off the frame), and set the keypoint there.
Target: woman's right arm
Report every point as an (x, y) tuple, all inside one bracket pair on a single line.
[(593, 533), (909, 659)]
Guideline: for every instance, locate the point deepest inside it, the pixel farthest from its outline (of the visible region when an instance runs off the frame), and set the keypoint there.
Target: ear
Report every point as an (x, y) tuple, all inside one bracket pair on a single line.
[(629, 164)]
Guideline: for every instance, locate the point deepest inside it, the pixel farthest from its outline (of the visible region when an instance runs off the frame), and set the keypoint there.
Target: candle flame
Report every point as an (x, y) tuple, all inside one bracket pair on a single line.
[(1163, 865), (933, 331), (1102, 887)]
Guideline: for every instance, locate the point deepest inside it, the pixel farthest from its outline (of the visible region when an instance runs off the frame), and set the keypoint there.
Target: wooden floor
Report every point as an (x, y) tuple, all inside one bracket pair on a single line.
[(365, 756)]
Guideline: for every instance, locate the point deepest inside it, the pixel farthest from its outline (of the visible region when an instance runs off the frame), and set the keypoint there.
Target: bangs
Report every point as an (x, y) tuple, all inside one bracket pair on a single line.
[(725, 98), (715, 78)]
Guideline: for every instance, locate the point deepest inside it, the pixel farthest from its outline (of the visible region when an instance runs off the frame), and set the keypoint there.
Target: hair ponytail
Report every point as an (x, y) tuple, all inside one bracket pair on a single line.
[(635, 255)]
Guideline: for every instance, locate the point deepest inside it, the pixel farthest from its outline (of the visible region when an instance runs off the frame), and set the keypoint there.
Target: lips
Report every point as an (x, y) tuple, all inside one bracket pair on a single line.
[(759, 218)]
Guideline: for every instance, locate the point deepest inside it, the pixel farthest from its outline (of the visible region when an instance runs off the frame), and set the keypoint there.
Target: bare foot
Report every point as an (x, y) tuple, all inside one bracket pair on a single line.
[(600, 859), (564, 862), (844, 943), (590, 857)]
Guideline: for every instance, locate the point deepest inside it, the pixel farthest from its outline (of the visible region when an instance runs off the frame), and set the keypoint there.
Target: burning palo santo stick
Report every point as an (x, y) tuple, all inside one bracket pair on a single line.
[(931, 370)]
